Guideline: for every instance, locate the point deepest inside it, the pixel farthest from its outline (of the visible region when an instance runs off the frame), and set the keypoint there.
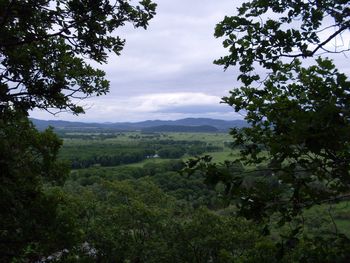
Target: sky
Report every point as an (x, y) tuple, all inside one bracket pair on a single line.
[(165, 72)]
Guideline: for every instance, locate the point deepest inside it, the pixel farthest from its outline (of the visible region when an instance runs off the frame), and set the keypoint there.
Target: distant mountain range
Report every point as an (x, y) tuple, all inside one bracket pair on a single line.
[(180, 128), (188, 124)]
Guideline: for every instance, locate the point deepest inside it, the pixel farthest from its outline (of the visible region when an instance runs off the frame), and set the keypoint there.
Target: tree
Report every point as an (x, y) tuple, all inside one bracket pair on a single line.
[(43, 45), (298, 115), (28, 219), (44, 49)]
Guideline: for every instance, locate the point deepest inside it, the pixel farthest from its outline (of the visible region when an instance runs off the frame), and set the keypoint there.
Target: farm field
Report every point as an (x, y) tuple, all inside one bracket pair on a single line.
[(136, 148)]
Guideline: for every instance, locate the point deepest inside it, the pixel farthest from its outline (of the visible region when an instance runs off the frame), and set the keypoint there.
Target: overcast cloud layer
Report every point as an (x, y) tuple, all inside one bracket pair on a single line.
[(167, 72)]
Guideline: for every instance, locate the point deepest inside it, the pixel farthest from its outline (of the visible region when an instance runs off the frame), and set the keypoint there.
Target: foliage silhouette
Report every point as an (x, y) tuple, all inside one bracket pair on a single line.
[(44, 49), (299, 133)]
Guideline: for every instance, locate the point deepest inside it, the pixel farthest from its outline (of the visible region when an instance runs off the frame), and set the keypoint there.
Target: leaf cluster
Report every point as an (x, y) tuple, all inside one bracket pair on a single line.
[(297, 141), (44, 47)]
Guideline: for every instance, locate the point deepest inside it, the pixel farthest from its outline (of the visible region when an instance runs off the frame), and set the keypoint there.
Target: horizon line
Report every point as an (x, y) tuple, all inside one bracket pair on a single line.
[(113, 122)]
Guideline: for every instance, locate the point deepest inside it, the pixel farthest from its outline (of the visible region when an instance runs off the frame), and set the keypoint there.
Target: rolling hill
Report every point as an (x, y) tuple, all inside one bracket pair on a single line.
[(213, 125)]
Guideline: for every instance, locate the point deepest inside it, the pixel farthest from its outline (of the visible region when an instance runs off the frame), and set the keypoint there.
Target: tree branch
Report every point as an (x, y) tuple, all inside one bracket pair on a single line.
[(311, 53)]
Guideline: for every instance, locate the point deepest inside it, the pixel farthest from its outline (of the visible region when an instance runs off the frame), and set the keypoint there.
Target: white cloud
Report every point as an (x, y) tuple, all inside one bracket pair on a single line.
[(150, 106), (157, 102)]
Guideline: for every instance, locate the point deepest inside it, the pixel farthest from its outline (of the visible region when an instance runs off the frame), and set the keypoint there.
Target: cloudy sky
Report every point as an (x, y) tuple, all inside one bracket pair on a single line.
[(167, 71)]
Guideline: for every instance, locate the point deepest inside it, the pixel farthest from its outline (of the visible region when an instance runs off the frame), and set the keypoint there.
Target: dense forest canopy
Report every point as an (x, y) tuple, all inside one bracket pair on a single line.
[(258, 207)]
